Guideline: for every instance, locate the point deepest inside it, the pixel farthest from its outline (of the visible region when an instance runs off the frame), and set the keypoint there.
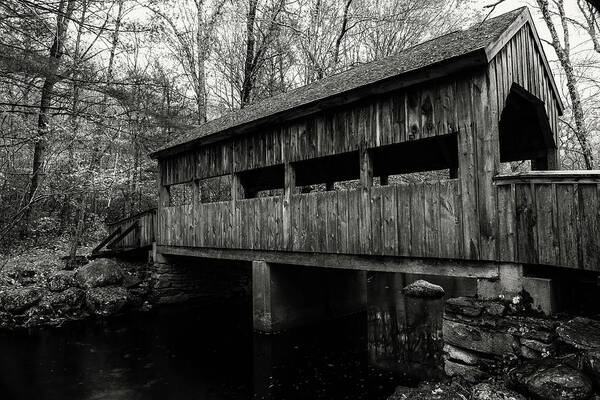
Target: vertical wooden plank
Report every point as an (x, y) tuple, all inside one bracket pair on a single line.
[(467, 171), (417, 219), (546, 222), (432, 219), (342, 207), (589, 226), (354, 202), (506, 222), (332, 223), (403, 199), (376, 221), (288, 191), (526, 224), (449, 234), (568, 227), (390, 228)]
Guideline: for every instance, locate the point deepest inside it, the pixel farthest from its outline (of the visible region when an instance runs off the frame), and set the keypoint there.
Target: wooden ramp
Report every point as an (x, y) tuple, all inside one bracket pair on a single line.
[(128, 234)]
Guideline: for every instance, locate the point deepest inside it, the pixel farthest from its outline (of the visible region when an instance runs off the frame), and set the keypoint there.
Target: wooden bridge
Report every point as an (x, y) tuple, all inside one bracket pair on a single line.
[(465, 105)]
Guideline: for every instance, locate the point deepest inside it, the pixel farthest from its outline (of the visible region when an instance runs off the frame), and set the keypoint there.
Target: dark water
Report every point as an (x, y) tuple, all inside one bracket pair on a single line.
[(192, 352)]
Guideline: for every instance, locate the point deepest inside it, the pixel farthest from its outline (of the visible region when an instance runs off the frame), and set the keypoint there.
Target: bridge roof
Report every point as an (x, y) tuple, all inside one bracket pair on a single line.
[(434, 58)]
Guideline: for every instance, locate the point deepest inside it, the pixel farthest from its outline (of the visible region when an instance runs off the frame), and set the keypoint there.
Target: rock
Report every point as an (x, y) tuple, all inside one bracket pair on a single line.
[(72, 263), (540, 347), (68, 299), (422, 289), (490, 391), (60, 281), (462, 355), (98, 273), (106, 300), (468, 306), (495, 308), (478, 339), (430, 391), (529, 327), (551, 381), (19, 299), (470, 373), (581, 333)]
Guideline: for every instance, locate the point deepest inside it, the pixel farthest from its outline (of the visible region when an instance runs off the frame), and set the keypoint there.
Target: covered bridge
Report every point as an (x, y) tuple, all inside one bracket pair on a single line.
[(463, 104)]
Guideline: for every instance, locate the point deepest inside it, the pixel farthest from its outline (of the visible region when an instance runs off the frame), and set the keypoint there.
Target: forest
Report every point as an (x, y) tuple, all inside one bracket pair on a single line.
[(89, 87)]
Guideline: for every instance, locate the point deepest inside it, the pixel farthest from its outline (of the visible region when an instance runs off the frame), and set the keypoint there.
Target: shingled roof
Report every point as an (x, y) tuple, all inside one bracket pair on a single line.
[(475, 43)]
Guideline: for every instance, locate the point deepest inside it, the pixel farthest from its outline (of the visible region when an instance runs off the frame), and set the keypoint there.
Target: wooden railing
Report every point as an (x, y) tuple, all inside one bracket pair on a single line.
[(141, 229), (550, 217), (407, 220)]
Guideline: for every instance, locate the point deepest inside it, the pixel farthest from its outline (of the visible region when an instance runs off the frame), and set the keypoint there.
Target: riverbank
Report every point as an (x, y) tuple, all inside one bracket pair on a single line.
[(39, 288), (503, 349)]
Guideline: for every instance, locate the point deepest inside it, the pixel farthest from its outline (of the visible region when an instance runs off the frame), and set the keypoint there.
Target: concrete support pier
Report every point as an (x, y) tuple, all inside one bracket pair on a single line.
[(286, 296)]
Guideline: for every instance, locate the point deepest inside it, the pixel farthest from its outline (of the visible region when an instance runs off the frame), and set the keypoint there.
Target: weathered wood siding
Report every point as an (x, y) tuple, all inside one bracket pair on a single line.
[(520, 61), (405, 220), (418, 112), (550, 222), (143, 235)]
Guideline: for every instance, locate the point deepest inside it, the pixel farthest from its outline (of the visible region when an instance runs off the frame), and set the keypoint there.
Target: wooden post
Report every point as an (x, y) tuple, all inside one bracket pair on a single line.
[(237, 189), (384, 180), (329, 186), (366, 167), (288, 191), (366, 181)]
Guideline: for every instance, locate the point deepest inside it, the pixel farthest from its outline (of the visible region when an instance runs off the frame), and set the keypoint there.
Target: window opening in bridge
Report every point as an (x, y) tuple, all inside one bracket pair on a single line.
[(324, 173), (181, 194), (215, 189), (423, 160), (524, 132), (263, 182)]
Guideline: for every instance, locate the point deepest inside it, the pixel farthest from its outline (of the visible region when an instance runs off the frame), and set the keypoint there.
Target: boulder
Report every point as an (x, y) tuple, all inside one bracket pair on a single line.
[(550, 380), (60, 281), (470, 373), (491, 391), (462, 355), (422, 289), (18, 299), (106, 300), (68, 299), (478, 339), (581, 333), (468, 306), (99, 273)]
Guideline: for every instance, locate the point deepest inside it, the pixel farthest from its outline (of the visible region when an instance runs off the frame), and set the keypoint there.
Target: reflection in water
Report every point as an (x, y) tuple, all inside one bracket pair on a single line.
[(189, 352)]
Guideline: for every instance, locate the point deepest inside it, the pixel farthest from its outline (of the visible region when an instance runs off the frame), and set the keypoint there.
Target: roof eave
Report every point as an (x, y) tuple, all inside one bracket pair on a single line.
[(447, 67)]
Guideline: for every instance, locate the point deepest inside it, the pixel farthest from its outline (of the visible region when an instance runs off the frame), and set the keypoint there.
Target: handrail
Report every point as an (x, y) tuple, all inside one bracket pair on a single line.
[(134, 216), (562, 176)]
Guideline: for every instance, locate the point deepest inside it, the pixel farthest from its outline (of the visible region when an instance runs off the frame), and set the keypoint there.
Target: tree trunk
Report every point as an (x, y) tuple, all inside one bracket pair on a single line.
[(65, 10), (247, 84), (563, 54)]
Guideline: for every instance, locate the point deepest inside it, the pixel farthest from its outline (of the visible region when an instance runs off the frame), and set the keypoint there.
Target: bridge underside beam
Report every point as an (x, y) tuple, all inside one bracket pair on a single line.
[(456, 268)]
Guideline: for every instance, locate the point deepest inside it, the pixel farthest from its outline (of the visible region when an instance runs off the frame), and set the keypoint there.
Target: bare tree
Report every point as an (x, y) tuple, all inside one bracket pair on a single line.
[(563, 52), (63, 15)]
